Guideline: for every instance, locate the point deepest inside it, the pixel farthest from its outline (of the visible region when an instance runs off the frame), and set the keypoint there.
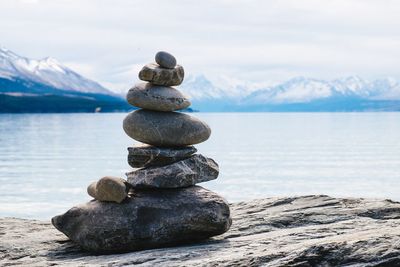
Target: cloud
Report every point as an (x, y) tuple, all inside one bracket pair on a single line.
[(249, 40)]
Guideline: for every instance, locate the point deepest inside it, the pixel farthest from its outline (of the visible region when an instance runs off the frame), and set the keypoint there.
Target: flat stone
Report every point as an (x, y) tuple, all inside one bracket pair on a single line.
[(165, 60), (150, 219), (156, 97), (286, 231), (109, 188), (166, 129), (159, 76), (151, 156), (184, 173)]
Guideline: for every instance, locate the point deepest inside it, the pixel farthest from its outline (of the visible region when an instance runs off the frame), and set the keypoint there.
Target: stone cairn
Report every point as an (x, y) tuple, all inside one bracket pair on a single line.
[(159, 204)]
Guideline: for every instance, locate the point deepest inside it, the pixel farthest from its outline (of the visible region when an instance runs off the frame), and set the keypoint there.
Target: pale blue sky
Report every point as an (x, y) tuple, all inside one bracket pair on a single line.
[(108, 40)]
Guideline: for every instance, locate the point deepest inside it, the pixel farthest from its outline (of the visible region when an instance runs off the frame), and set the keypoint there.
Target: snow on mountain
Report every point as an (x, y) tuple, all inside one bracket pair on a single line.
[(47, 71), (296, 90), (201, 88)]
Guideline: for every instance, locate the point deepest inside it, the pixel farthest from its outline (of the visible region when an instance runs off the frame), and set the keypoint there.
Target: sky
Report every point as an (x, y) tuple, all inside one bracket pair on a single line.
[(258, 41)]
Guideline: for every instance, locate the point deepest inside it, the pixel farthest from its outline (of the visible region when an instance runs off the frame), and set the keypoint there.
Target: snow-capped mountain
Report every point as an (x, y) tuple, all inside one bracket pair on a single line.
[(47, 71), (45, 85), (350, 93), (28, 85)]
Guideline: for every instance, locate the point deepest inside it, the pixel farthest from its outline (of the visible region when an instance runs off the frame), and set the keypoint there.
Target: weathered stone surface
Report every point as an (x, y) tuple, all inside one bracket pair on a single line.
[(294, 231), (109, 188), (165, 60), (155, 74), (165, 128), (151, 156), (187, 172), (156, 97), (149, 219)]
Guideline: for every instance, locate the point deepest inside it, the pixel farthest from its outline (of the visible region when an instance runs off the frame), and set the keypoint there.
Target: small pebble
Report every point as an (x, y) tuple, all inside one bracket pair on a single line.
[(165, 60)]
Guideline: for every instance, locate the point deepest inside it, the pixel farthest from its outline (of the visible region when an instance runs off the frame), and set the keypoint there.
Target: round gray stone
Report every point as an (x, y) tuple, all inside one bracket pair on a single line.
[(184, 173), (148, 219), (165, 129), (151, 156), (156, 97), (159, 76), (165, 60)]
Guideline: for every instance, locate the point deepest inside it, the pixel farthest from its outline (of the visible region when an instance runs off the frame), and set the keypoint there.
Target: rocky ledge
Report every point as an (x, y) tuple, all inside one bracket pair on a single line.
[(296, 231)]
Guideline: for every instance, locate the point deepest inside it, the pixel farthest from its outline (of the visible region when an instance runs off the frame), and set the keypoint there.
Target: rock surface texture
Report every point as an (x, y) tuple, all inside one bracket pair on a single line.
[(165, 128), (160, 76), (156, 97), (149, 219), (295, 231), (150, 156), (184, 173)]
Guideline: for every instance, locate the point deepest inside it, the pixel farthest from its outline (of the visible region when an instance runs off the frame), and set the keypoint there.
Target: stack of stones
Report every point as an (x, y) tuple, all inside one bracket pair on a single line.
[(159, 204)]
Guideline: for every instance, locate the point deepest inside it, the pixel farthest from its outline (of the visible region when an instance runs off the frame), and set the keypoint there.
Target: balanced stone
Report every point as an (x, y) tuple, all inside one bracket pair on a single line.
[(184, 173), (156, 75), (156, 97), (109, 188), (148, 156), (165, 128), (151, 219), (165, 60)]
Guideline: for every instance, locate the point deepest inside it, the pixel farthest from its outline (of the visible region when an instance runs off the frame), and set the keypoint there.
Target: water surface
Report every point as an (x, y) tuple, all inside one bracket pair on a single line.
[(47, 160)]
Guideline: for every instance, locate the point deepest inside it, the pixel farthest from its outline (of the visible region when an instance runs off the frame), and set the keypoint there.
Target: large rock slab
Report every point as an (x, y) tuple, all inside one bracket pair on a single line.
[(165, 129), (184, 173), (148, 219), (151, 156), (155, 97), (160, 76), (286, 231)]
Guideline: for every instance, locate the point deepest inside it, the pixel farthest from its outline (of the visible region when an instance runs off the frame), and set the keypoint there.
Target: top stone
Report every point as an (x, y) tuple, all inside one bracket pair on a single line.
[(165, 60)]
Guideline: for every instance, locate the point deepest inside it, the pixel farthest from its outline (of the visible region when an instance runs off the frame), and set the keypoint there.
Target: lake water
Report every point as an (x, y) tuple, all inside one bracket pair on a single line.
[(47, 160)]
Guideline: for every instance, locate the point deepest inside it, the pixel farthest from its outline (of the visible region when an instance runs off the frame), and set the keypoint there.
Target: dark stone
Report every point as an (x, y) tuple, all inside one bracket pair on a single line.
[(165, 60), (187, 172), (148, 219), (165, 129), (160, 76), (156, 97), (151, 156)]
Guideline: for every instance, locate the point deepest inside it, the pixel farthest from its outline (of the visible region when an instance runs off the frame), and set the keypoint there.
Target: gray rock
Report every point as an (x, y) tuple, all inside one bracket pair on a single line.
[(287, 231), (187, 172), (150, 219), (166, 129), (109, 188), (151, 156), (160, 76), (156, 97), (165, 60)]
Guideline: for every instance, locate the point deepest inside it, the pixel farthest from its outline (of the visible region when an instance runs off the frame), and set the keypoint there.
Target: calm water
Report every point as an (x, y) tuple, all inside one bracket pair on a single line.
[(47, 160)]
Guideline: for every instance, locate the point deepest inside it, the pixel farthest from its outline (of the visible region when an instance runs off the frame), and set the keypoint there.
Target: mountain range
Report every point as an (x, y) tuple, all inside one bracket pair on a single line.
[(46, 85), (297, 94), (29, 85)]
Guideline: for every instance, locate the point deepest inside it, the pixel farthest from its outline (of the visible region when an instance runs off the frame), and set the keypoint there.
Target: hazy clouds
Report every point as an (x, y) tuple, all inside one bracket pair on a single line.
[(252, 40)]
